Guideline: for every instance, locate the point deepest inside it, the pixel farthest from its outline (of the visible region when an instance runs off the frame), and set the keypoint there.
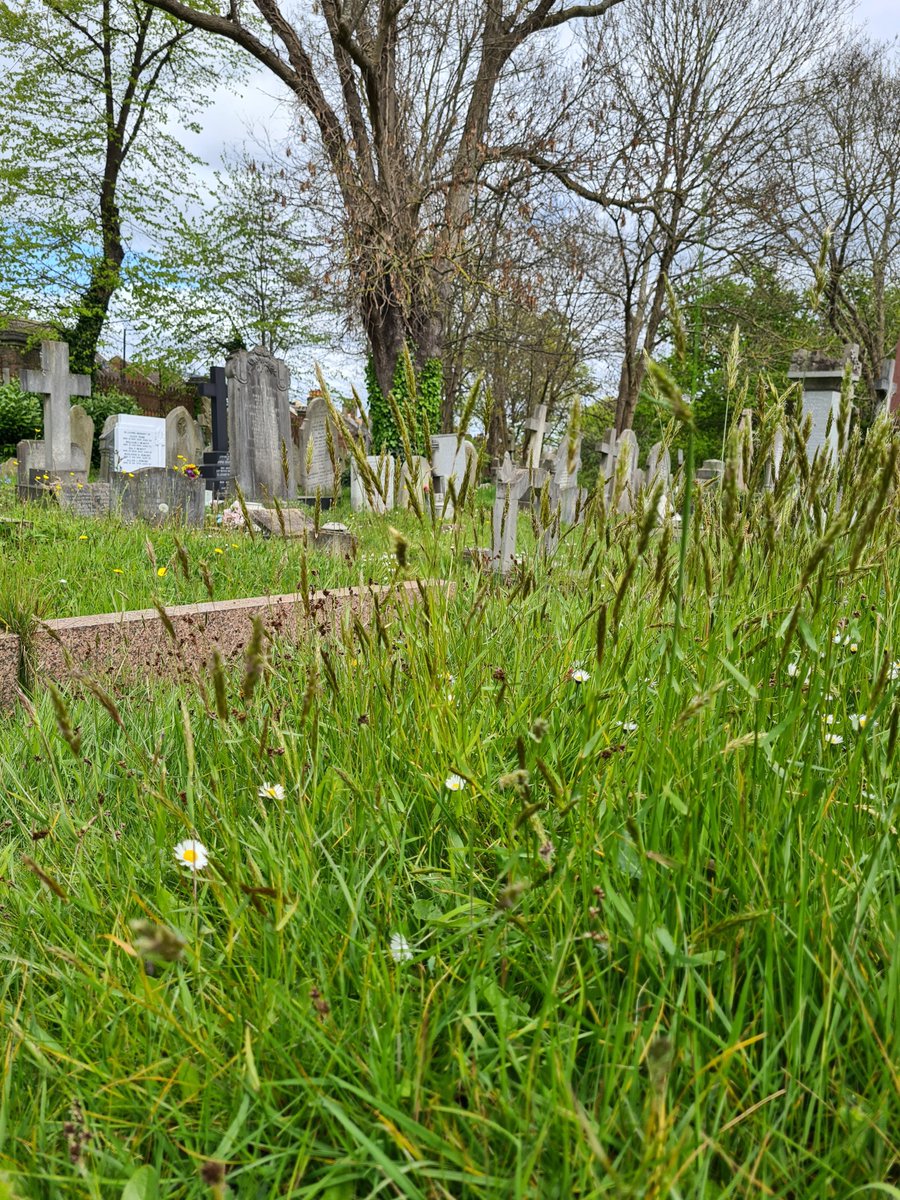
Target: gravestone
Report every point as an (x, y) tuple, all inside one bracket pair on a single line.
[(320, 474), (259, 425), (129, 443), (55, 383), (564, 480), (512, 483), (414, 477), (184, 441), (216, 465), (711, 470), (381, 500), (85, 500), (659, 474), (290, 523), (82, 431), (625, 483), (158, 496), (822, 378), (454, 461), (534, 436)]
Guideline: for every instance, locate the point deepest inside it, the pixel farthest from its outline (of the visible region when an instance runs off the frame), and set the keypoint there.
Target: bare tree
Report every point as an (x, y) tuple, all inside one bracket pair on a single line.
[(681, 100), (835, 183), (401, 97)]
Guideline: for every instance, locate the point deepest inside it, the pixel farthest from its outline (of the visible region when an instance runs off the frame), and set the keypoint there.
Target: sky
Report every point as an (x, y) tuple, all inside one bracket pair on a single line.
[(258, 112)]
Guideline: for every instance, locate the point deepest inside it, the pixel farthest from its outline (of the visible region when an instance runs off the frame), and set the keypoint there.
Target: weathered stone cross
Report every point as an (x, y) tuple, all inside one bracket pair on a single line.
[(55, 383)]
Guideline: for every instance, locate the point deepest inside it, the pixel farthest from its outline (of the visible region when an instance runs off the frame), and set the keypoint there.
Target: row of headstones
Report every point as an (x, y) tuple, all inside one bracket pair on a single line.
[(452, 467)]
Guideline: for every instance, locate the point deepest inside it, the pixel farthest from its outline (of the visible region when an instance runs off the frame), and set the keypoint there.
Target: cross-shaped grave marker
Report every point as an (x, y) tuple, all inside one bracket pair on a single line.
[(56, 384)]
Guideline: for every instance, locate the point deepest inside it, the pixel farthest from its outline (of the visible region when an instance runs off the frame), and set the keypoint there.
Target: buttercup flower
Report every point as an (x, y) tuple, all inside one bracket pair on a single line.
[(218, 550), (82, 537), (192, 854), (118, 571), (400, 948), (579, 675), (161, 571), (271, 791), (454, 783)]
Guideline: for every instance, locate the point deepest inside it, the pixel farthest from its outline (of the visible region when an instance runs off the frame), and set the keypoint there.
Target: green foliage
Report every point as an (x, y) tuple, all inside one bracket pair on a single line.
[(385, 435), (101, 405), (428, 408), (774, 320), (424, 407), (21, 416)]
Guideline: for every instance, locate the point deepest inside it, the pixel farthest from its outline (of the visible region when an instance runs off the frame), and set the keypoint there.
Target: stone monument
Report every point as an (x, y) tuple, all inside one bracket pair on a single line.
[(822, 378), (184, 441), (129, 443), (56, 457), (259, 425)]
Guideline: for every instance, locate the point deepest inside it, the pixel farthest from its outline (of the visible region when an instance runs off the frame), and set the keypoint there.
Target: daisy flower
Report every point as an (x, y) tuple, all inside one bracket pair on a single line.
[(192, 854), (454, 783), (579, 675), (400, 948), (834, 739), (271, 791)]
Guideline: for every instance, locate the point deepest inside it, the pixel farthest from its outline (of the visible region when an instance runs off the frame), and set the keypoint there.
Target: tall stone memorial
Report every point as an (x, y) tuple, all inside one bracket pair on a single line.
[(56, 457), (822, 377), (216, 466), (259, 425)]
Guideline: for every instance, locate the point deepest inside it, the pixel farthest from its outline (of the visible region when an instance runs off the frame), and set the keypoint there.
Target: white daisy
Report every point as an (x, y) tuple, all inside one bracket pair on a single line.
[(271, 791), (400, 948), (454, 783), (579, 675), (834, 739), (192, 854), (793, 669), (628, 726)]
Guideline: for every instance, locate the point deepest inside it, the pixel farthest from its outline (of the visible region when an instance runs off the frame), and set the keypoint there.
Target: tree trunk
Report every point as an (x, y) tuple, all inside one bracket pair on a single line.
[(106, 275)]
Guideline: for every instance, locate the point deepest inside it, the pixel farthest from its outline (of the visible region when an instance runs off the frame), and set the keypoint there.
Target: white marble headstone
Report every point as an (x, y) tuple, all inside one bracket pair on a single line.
[(139, 442)]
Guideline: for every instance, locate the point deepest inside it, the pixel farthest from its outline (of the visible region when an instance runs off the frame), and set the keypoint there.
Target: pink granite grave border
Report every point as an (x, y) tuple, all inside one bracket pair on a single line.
[(130, 645)]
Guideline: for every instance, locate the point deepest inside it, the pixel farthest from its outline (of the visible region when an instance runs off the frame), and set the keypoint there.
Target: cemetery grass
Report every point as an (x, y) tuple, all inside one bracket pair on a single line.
[(581, 884), (55, 564)]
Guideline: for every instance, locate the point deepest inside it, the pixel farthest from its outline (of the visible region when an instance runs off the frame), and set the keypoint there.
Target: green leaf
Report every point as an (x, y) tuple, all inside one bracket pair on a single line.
[(143, 1185)]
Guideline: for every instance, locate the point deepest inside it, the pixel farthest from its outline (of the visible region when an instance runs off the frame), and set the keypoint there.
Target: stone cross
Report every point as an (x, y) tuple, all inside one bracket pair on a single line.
[(534, 439), (56, 384), (512, 483)]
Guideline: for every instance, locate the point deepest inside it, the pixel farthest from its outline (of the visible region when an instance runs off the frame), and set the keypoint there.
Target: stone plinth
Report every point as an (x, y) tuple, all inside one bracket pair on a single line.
[(158, 496)]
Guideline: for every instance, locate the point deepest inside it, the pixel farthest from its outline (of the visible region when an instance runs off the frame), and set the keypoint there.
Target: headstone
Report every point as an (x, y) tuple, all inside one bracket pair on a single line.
[(216, 465), (184, 441), (290, 524), (319, 476), (158, 496), (415, 477), (454, 461), (711, 470), (822, 379), (35, 478), (85, 500), (534, 436), (888, 386), (659, 474), (259, 425), (777, 453), (512, 483), (56, 384), (129, 443), (335, 539), (381, 500), (624, 482), (82, 431), (607, 455)]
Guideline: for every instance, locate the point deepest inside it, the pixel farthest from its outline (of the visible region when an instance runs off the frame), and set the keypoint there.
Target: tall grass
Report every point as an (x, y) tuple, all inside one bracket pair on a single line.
[(652, 940)]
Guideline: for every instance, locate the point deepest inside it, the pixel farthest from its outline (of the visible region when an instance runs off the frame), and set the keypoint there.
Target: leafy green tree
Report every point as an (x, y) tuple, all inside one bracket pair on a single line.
[(21, 416), (87, 152), (235, 274), (773, 320)]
